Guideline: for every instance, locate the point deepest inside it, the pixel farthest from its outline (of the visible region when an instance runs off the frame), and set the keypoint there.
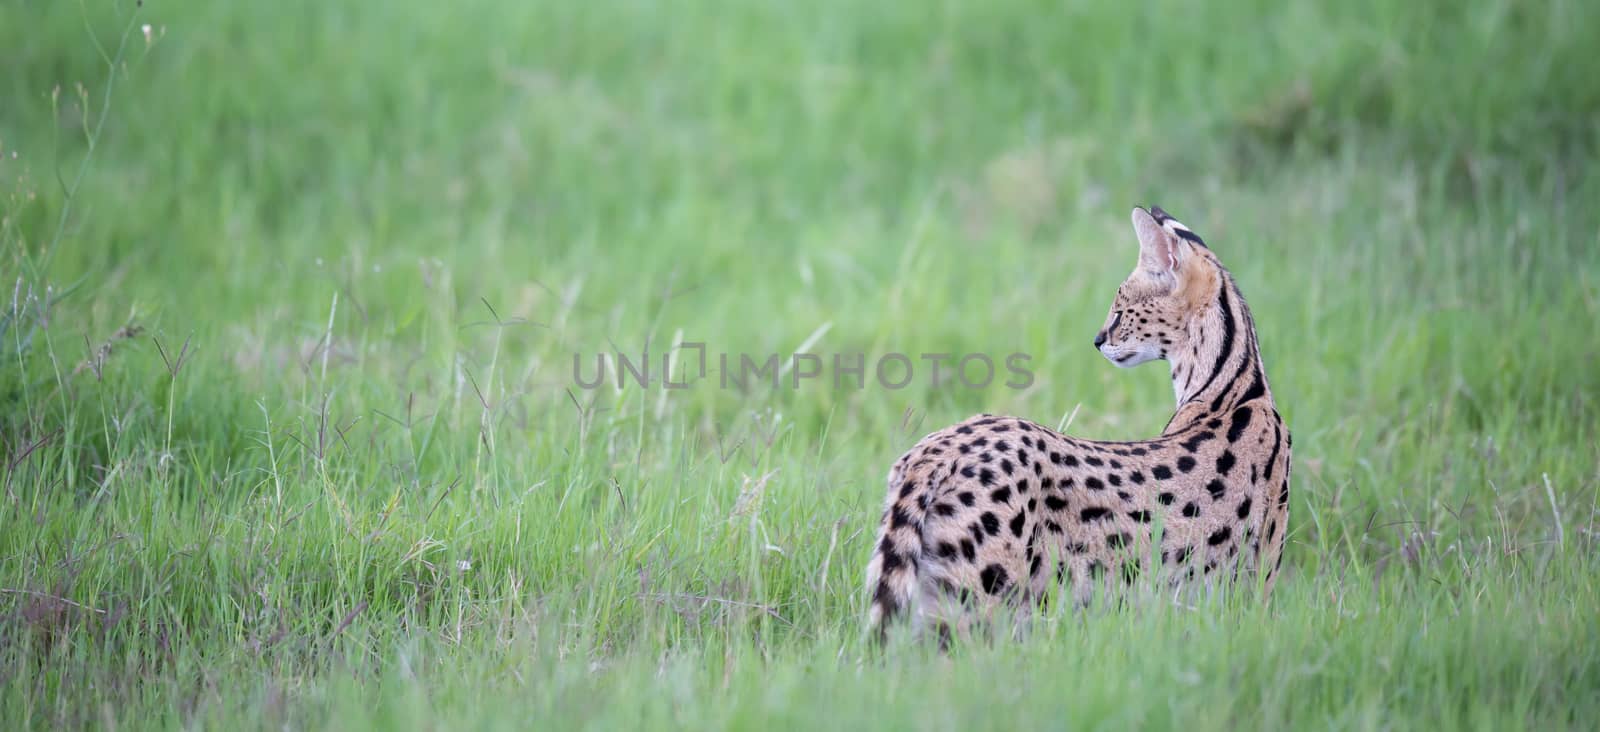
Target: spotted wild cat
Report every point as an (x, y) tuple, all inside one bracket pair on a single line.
[(994, 509)]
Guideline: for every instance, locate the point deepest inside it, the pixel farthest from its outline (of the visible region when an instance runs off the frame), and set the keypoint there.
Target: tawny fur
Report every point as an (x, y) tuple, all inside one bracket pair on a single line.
[(995, 509)]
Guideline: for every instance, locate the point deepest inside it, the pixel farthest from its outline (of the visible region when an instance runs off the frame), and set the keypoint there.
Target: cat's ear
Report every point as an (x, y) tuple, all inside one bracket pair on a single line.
[(1159, 250)]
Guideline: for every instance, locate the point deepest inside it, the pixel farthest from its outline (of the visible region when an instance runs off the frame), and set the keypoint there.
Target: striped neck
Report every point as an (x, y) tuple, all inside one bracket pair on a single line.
[(1221, 367)]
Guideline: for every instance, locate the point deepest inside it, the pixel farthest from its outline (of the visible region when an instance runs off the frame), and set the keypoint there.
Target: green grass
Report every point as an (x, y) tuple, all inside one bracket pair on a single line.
[(371, 494)]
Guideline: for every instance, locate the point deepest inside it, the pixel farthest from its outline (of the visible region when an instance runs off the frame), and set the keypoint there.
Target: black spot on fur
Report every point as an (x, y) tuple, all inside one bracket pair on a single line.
[(1217, 489), (1225, 462), (1016, 524), (884, 597), (1006, 467), (1161, 472), (1193, 443), (1272, 457), (991, 523), (1219, 536), (994, 579), (1093, 513), (1185, 464), (1093, 461), (1256, 390), (1114, 479), (986, 477), (1142, 517), (1190, 510), (1118, 540), (891, 558), (1244, 507), (965, 497), (1165, 499), (946, 550), (968, 472), (1055, 503), (898, 517), (1236, 426), (1094, 484), (1001, 495), (968, 551), (906, 488), (1136, 477), (944, 509)]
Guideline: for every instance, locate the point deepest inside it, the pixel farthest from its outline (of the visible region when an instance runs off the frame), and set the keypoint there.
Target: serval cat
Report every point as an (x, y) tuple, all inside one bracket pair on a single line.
[(995, 509)]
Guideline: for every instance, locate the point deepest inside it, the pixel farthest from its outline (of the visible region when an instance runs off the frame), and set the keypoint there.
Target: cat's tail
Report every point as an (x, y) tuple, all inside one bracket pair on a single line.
[(892, 573)]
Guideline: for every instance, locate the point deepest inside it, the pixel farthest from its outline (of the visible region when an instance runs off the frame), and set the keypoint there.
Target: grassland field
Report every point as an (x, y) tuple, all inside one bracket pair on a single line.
[(290, 436)]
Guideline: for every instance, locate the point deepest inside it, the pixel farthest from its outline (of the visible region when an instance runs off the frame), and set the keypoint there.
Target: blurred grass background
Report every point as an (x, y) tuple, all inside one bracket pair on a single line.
[(368, 492)]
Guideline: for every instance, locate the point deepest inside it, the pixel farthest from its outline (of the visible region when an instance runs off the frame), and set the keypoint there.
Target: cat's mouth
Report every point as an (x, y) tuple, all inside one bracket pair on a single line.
[(1122, 356)]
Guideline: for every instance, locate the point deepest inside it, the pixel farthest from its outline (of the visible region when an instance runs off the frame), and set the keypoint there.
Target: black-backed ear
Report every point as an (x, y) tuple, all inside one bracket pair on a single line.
[(1159, 250)]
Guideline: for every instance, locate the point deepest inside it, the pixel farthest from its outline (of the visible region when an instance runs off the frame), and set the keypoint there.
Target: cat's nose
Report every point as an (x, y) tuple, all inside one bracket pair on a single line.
[(1099, 339)]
